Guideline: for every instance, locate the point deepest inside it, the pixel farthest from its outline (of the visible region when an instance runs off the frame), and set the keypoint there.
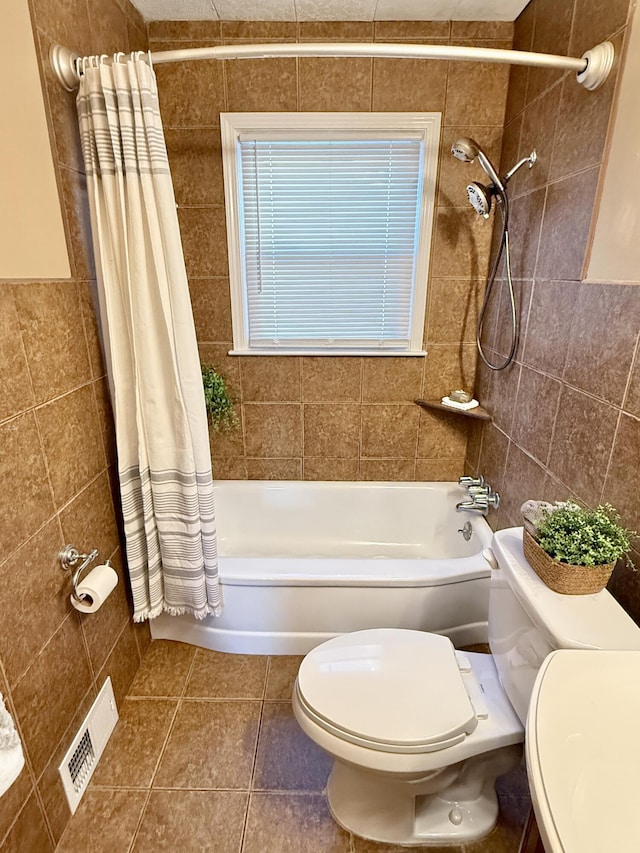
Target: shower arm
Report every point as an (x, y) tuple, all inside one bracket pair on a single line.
[(526, 161), (592, 68)]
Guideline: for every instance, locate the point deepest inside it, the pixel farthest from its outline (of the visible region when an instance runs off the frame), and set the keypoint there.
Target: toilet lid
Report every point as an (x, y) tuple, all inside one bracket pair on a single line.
[(582, 756), (396, 689)]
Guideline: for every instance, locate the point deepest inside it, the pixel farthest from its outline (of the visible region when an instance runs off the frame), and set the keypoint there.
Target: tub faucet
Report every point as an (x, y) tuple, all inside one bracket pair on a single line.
[(480, 503)]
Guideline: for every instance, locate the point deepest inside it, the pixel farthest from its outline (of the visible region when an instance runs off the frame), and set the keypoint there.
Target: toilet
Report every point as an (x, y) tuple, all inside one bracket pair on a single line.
[(419, 731)]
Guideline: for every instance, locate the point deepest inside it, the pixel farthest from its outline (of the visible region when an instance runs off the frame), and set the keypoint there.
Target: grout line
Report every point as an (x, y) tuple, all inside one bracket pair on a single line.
[(553, 427), (192, 699), (511, 417), (45, 459), (255, 758), (635, 361), (85, 644), (162, 751), (255, 754), (610, 459), (91, 381), (23, 350), (169, 788), (279, 791), (245, 822), (83, 320), (266, 677), (134, 837), (40, 651), (11, 708), (115, 643), (98, 413), (225, 86)]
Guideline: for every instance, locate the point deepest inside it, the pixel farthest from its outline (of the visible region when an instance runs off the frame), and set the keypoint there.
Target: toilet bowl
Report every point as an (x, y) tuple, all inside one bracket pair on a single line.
[(419, 733)]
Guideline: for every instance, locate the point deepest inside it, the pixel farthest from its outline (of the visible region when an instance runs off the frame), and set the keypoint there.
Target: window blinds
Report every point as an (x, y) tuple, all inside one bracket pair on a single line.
[(329, 232)]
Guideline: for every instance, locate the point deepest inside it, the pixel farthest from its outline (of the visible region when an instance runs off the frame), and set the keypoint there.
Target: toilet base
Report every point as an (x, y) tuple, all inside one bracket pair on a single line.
[(453, 805)]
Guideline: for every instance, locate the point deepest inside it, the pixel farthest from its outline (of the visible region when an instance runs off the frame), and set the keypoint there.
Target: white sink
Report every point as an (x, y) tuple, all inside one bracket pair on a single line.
[(583, 751)]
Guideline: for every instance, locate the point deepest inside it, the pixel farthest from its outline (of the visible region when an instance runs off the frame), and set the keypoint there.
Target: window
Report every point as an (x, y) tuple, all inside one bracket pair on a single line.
[(329, 223)]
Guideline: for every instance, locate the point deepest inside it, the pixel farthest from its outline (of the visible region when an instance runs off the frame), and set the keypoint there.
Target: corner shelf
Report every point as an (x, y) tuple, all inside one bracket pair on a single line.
[(478, 413)]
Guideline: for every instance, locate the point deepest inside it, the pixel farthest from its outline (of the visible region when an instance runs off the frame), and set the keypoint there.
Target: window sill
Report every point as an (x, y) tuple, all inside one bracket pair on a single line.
[(329, 353)]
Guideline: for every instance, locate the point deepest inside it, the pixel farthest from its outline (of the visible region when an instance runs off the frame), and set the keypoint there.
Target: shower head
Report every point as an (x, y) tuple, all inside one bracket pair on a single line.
[(480, 198), (465, 149), (468, 150)]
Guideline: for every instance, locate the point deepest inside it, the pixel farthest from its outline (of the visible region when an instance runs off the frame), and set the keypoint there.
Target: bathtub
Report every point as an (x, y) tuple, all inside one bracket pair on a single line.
[(303, 561)]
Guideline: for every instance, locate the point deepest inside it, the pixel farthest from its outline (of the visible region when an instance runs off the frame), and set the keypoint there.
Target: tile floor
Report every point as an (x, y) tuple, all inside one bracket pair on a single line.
[(207, 756)]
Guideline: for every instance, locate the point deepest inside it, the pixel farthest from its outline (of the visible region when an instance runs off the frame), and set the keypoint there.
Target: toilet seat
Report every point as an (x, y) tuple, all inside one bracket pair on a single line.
[(388, 689)]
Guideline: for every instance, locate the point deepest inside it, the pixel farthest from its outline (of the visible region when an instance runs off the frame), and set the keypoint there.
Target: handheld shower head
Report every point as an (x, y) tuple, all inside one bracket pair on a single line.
[(480, 198), (465, 149), (468, 150)]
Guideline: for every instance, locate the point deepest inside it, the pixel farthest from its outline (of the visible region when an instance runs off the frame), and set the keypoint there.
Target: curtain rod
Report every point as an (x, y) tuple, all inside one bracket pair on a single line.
[(592, 68)]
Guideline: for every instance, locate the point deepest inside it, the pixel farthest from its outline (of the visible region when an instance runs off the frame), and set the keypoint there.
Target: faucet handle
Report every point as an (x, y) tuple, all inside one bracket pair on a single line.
[(468, 482), (479, 490), (486, 498), (493, 499)]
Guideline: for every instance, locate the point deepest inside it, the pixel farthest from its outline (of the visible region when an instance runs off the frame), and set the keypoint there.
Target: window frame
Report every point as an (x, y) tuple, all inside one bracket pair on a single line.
[(348, 126)]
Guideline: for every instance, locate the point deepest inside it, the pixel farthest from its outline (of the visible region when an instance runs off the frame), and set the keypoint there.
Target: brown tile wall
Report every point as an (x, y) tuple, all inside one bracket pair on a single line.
[(57, 470), (567, 413), (325, 417)]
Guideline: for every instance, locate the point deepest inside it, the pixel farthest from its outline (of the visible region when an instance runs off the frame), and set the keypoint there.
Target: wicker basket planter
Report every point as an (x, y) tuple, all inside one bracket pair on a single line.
[(563, 577)]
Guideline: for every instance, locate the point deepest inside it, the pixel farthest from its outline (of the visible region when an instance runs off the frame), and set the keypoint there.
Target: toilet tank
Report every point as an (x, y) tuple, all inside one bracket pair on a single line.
[(527, 620)]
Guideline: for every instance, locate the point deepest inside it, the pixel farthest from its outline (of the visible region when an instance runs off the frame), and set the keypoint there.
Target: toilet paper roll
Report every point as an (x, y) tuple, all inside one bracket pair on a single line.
[(95, 588)]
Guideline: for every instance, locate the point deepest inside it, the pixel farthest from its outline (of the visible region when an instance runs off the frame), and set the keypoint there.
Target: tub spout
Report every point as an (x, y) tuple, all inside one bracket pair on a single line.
[(473, 505), (480, 503)]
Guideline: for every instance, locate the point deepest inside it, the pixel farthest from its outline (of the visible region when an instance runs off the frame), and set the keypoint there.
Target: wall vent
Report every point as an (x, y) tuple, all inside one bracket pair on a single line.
[(88, 745)]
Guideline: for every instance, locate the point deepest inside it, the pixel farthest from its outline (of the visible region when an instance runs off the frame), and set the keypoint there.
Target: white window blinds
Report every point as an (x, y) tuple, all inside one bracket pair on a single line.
[(330, 232), (329, 219)]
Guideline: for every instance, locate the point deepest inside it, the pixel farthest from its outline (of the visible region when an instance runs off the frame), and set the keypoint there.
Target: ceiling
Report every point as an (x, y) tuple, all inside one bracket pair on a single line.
[(330, 10)]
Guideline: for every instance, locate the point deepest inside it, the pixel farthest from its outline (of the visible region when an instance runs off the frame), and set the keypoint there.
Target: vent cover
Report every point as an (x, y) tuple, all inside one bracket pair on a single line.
[(88, 745)]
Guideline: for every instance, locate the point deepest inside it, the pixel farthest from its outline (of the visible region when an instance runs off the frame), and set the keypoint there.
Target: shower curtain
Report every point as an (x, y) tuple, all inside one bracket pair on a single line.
[(149, 337)]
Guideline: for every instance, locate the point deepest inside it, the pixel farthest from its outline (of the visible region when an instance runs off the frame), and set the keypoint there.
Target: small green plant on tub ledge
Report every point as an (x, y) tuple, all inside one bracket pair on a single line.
[(218, 400), (572, 548)]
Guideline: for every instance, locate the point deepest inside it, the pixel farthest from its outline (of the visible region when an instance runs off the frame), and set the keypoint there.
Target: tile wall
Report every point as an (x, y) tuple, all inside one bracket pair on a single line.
[(324, 417), (57, 471), (567, 413)]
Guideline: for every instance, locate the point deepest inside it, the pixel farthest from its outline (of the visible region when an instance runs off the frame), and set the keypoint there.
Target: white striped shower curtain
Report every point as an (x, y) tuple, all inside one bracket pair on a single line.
[(164, 462)]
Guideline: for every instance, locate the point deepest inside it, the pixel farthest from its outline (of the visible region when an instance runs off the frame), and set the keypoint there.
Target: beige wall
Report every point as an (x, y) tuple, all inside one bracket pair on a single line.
[(615, 250), (32, 238), (567, 413), (57, 471), (331, 417)]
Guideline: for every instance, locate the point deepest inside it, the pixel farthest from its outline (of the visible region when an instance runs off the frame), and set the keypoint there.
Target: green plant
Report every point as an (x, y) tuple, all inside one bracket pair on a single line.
[(218, 401), (573, 534)]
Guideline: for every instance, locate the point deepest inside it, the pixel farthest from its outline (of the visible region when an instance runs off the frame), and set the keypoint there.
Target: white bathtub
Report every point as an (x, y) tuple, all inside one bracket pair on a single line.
[(303, 561)]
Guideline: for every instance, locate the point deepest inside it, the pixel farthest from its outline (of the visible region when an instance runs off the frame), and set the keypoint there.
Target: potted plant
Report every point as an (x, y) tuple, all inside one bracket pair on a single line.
[(218, 400), (572, 548)]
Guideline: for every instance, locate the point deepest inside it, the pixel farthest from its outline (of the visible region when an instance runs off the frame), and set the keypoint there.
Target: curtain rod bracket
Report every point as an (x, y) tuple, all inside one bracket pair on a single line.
[(599, 63), (63, 63)]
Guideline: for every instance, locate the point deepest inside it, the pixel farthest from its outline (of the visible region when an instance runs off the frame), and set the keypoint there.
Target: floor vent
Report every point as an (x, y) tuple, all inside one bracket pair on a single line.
[(88, 745)]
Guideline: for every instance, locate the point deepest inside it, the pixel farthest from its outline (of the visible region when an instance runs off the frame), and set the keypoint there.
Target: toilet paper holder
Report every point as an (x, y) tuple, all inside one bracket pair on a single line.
[(69, 556)]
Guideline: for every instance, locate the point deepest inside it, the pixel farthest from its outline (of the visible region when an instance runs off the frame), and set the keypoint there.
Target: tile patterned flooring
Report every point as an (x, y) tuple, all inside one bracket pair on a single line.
[(207, 756)]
